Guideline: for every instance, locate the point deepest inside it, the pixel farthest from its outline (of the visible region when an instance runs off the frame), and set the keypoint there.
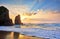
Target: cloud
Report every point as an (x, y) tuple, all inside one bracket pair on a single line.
[(41, 16), (44, 17), (16, 9)]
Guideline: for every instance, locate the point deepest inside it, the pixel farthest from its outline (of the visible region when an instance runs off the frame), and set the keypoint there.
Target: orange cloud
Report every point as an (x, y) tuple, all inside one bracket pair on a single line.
[(44, 17), (41, 16)]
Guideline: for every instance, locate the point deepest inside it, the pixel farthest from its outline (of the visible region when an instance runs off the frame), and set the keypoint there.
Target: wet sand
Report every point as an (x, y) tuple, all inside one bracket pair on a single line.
[(28, 37), (14, 35), (6, 35)]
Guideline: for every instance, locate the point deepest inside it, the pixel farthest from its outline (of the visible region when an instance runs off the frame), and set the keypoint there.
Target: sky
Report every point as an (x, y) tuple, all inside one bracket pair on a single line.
[(37, 6), (34, 4)]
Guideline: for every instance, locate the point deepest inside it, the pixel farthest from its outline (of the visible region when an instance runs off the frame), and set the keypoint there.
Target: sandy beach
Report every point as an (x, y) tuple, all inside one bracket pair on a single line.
[(14, 35)]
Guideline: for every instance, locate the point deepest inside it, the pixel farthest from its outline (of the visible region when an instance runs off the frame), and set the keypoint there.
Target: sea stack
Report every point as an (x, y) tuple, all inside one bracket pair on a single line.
[(18, 20), (4, 17)]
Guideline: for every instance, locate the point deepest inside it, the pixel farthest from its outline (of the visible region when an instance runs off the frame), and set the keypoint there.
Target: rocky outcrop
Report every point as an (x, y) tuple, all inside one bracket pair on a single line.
[(4, 17), (18, 20)]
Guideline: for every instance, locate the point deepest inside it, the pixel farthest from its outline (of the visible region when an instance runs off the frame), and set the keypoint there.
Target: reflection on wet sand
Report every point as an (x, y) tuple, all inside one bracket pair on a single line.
[(14, 35), (6, 35), (28, 37)]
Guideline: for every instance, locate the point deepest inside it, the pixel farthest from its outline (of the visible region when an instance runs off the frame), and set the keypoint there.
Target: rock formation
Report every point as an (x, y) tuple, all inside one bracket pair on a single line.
[(4, 17), (18, 20)]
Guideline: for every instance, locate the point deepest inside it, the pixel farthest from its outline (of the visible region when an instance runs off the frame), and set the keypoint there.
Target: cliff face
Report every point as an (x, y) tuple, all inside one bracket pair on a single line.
[(4, 17), (18, 20)]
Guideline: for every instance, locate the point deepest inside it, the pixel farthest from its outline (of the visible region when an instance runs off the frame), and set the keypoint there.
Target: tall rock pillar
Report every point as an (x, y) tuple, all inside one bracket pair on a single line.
[(4, 17), (18, 20)]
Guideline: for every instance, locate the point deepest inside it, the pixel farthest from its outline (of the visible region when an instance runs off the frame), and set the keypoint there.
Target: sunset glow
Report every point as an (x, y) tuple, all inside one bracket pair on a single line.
[(45, 10)]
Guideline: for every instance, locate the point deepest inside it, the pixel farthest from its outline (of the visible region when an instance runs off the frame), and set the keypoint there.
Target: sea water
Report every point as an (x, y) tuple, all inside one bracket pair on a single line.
[(43, 30)]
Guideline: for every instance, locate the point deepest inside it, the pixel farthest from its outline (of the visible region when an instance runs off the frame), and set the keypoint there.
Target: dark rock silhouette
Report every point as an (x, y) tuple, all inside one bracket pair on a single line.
[(4, 17), (18, 20)]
